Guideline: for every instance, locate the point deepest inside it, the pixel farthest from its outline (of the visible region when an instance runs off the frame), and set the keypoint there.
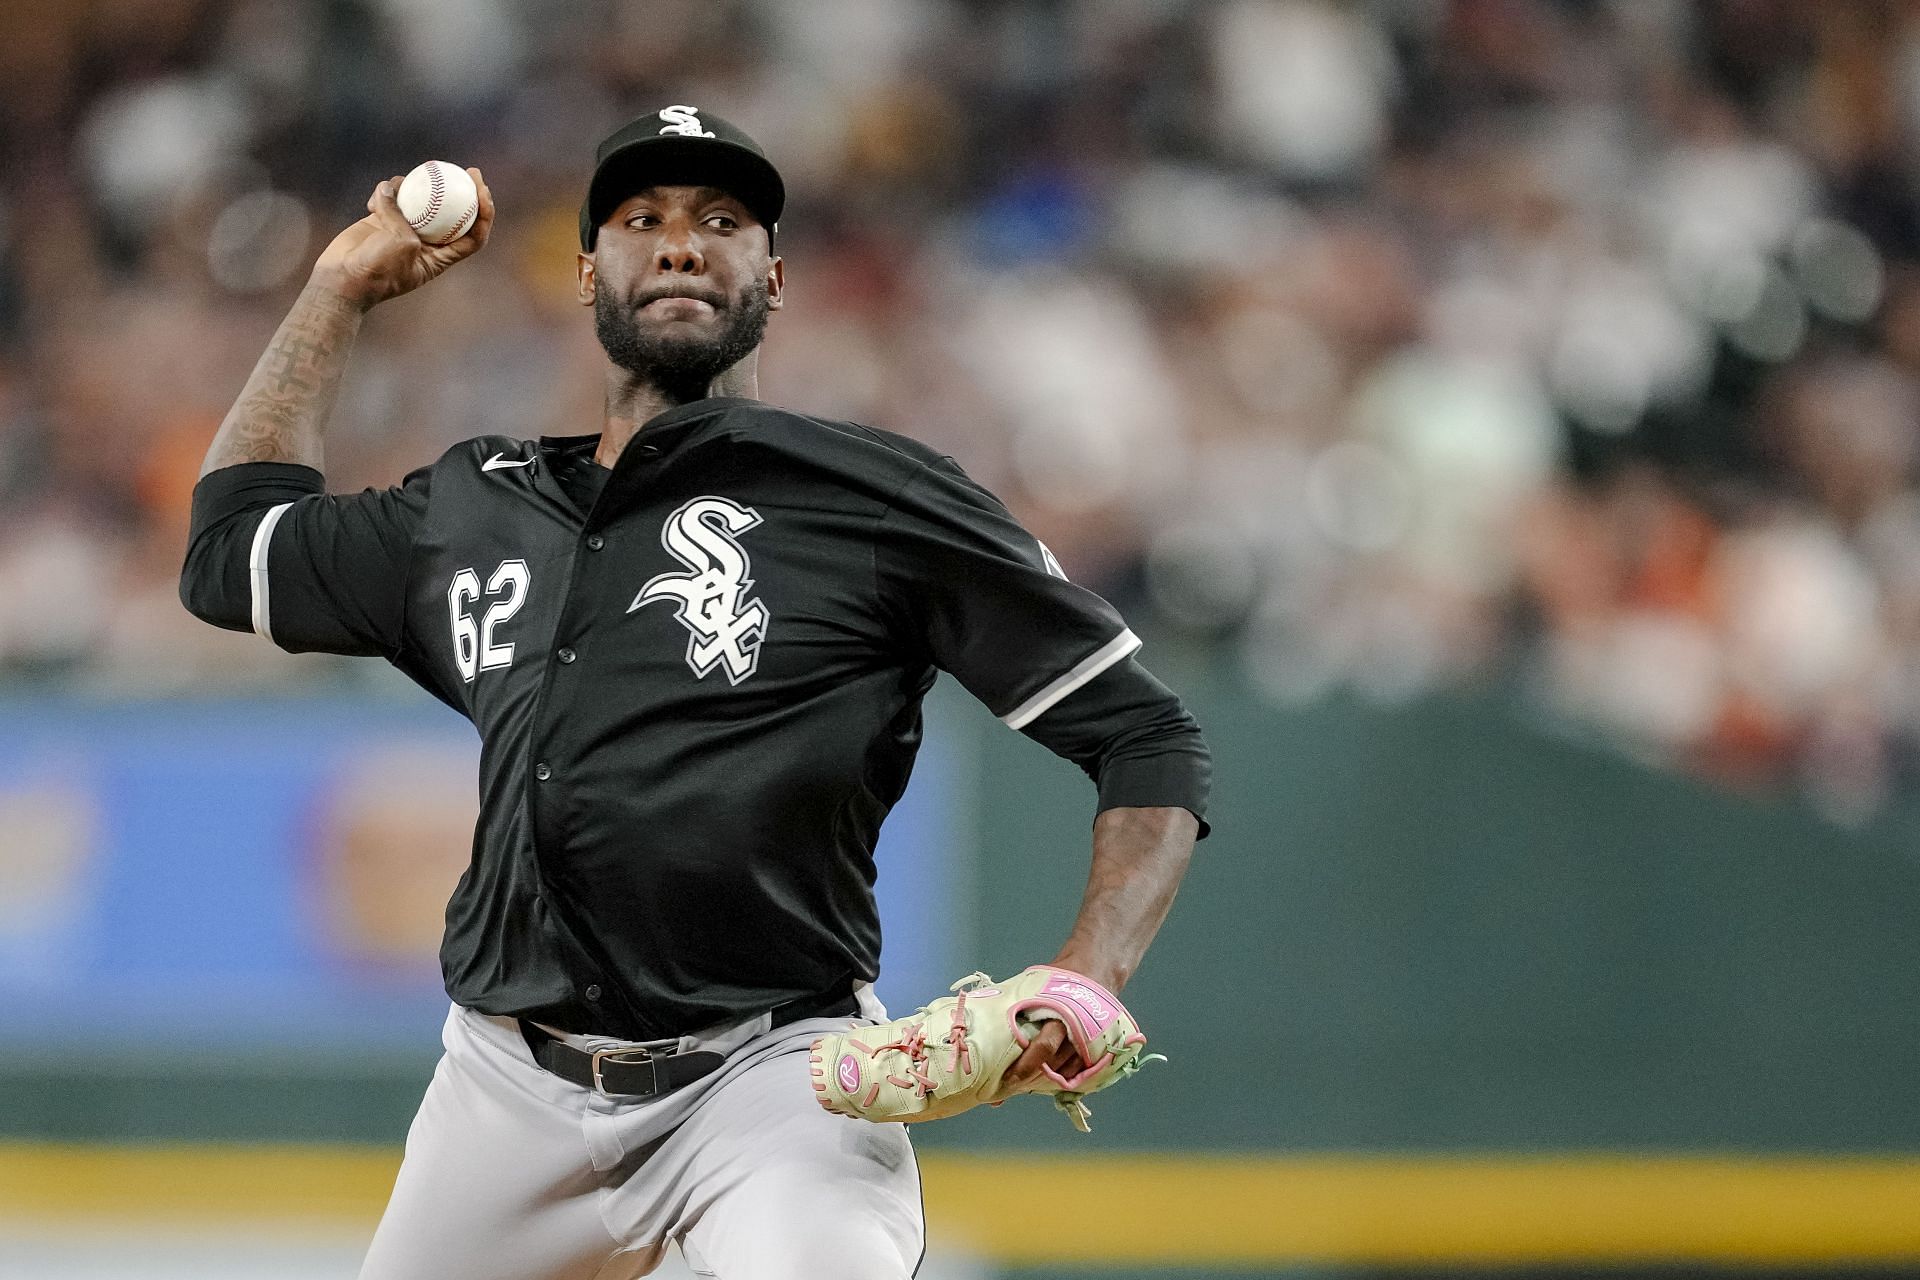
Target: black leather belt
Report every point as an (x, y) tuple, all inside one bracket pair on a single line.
[(652, 1069)]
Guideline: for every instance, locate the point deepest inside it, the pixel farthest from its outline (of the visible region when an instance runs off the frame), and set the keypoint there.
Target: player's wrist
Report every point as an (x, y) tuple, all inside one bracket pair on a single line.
[(1087, 961), (334, 285)]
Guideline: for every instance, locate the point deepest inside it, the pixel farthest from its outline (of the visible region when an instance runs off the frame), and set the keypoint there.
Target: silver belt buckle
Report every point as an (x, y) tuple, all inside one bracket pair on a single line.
[(630, 1056)]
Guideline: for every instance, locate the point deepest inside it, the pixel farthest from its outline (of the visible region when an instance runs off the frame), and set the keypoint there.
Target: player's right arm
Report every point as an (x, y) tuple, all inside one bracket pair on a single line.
[(269, 550), (283, 410)]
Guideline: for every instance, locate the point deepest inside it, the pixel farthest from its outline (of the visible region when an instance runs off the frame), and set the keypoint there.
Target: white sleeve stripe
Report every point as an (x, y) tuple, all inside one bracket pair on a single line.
[(1099, 660), (257, 569)]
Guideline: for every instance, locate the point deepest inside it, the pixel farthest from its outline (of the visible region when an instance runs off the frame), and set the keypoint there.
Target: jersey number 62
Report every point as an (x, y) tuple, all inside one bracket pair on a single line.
[(474, 649)]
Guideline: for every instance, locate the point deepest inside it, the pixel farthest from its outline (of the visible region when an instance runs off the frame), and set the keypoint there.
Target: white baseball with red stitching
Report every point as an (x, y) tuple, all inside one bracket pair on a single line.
[(439, 201)]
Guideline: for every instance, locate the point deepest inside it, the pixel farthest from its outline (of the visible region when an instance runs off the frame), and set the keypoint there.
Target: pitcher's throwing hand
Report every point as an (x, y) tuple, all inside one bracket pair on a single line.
[(382, 256)]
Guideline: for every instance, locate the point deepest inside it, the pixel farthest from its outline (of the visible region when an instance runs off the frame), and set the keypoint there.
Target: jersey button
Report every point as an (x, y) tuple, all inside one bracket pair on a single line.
[(567, 655), (593, 991), (649, 450), (595, 542), (542, 772)]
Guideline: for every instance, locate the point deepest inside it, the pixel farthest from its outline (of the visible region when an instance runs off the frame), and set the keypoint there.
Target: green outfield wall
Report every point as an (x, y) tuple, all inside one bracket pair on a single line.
[(1444, 927)]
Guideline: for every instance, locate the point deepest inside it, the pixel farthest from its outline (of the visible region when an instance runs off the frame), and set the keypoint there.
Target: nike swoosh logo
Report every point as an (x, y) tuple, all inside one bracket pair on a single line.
[(498, 462)]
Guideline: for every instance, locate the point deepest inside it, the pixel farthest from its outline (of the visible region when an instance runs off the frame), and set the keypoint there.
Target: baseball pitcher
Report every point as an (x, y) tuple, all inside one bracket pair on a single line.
[(695, 646)]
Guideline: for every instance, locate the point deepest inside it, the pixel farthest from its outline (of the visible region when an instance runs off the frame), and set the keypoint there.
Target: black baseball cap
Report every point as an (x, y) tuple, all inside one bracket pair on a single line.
[(682, 146)]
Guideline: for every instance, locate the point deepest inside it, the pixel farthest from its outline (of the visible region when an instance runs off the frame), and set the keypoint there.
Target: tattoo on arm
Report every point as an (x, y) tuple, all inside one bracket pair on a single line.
[(283, 410)]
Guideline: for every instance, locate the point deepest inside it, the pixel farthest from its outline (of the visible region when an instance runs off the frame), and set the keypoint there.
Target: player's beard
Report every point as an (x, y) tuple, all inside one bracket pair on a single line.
[(676, 358)]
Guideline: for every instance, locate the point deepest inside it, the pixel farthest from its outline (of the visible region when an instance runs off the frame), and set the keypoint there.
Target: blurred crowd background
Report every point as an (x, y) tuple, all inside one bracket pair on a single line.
[(1414, 374), (1564, 348)]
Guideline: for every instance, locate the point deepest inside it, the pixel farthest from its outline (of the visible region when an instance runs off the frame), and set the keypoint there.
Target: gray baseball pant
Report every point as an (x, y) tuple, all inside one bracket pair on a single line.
[(512, 1173)]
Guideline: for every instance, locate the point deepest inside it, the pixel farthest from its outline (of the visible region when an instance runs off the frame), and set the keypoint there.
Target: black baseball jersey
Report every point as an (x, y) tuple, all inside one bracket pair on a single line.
[(697, 680)]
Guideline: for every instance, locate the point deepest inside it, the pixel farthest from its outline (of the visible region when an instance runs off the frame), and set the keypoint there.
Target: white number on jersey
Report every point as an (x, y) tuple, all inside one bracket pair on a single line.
[(474, 648)]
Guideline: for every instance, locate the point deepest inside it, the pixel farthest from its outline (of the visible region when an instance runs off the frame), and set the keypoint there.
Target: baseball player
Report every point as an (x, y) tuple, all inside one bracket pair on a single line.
[(695, 646)]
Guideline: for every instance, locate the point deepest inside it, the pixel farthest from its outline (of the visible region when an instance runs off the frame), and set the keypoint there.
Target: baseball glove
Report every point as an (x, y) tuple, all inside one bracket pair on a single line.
[(951, 1056)]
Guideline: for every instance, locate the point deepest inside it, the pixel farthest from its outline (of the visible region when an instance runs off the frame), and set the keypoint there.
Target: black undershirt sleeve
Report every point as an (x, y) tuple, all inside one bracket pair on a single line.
[(1133, 737)]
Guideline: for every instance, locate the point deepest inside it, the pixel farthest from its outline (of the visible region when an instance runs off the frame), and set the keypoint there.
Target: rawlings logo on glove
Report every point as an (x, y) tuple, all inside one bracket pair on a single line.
[(952, 1055)]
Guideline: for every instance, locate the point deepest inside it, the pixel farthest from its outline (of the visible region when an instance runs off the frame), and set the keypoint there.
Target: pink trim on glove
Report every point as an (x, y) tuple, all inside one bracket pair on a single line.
[(1081, 1003)]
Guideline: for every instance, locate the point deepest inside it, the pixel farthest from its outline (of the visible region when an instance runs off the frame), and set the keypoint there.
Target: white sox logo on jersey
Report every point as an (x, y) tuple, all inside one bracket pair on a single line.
[(684, 121), (728, 628)]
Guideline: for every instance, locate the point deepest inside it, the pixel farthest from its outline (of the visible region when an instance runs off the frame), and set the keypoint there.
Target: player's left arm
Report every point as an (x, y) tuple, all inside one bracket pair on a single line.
[(1055, 661), (1146, 755)]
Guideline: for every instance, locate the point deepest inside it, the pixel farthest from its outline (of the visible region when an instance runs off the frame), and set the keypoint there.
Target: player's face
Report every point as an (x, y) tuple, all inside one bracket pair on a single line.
[(681, 282)]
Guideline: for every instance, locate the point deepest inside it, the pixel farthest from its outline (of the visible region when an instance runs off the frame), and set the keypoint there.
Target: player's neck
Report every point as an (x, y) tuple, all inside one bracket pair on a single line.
[(632, 402)]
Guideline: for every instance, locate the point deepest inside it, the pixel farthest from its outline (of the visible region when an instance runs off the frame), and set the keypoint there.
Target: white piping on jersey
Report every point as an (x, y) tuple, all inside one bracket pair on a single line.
[(257, 570), (1092, 665)]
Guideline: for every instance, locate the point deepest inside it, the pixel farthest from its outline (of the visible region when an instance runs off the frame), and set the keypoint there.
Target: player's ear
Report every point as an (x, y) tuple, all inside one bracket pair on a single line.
[(776, 282), (583, 266)]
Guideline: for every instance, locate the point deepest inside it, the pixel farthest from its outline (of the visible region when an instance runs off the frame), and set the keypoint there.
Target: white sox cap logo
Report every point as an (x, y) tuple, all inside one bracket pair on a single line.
[(684, 121), (727, 628)]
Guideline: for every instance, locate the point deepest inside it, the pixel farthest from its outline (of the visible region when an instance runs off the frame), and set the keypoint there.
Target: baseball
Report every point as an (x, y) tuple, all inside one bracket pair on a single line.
[(439, 201)]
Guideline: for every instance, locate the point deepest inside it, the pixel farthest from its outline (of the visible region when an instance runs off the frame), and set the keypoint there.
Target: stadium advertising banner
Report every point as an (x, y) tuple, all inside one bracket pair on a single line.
[(276, 872)]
